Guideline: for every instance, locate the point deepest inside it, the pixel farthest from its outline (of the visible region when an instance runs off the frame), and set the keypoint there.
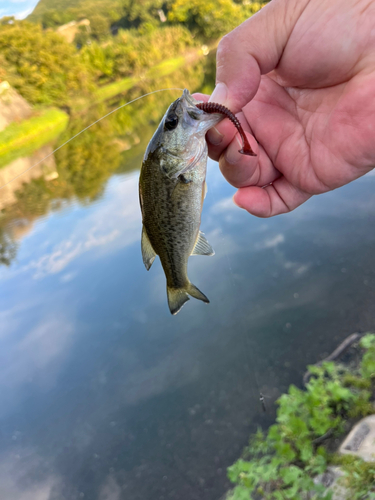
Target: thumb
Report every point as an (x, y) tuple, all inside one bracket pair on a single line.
[(253, 49)]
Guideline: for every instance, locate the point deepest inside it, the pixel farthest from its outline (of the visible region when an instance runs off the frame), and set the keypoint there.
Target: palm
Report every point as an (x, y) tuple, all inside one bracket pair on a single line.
[(313, 117), (318, 139)]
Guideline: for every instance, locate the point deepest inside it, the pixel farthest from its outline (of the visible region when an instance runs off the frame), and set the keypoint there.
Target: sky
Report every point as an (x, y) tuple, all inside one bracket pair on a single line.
[(18, 8)]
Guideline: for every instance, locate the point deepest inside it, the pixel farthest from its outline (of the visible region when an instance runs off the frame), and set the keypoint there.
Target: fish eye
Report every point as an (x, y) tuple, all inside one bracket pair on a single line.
[(171, 121)]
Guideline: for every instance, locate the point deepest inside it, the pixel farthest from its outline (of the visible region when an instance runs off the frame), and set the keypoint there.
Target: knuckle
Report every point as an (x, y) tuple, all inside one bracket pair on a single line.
[(225, 48)]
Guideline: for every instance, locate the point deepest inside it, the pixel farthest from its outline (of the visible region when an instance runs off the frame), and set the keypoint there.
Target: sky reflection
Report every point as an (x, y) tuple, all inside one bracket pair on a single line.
[(104, 395)]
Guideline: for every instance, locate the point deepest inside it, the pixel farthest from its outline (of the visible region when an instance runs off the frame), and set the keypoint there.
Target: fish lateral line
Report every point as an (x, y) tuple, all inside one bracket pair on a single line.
[(213, 107), (84, 130)]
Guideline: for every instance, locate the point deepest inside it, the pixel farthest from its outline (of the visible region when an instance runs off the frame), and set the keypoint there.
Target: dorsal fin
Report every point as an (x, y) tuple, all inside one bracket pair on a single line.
[(202, 247)]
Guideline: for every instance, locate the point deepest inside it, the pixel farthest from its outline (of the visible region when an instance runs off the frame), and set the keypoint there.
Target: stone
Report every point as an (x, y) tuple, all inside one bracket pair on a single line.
[(331, 480), (361, 440)]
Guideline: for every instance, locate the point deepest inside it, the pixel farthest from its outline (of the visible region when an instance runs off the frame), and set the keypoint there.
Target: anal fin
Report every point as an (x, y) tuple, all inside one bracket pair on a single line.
[(202, 247), (148, 253)]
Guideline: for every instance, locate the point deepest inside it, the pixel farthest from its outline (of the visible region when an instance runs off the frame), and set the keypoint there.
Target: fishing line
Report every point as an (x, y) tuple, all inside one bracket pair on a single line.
[(250, 357), (247, 346), (84, 130)]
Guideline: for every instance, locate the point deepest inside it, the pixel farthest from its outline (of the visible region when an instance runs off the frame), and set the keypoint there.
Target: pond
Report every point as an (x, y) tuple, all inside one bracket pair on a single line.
[(106, 396)]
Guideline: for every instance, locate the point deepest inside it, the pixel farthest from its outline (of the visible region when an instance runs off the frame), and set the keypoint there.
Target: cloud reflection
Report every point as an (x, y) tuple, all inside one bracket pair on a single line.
[(24, 476), (107, 226), (30, 356)]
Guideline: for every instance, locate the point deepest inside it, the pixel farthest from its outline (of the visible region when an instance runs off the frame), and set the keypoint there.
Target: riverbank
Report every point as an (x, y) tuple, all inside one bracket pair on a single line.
[(22, 139), (306, 443)]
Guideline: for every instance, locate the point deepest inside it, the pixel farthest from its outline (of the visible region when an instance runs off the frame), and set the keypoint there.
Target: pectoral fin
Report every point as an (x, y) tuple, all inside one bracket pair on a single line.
[(148, 253), (202, 247)]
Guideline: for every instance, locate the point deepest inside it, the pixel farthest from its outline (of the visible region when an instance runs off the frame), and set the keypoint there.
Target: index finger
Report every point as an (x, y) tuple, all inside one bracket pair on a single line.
[(253, 49)]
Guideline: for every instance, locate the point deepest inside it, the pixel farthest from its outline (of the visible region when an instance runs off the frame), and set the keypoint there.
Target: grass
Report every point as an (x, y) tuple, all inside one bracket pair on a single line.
[(112, 89), (22, 139), (162, 69)]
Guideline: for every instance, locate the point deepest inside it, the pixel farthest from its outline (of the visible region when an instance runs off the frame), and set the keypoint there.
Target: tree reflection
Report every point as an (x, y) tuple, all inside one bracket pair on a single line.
[(8, 248), (84, 165)]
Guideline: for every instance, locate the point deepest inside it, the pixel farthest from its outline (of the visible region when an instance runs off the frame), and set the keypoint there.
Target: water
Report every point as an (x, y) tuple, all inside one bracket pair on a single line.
[(103, 394)]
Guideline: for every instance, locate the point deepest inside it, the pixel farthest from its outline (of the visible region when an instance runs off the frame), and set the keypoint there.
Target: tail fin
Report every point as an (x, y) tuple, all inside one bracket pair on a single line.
[(178, 296), (197, 294)]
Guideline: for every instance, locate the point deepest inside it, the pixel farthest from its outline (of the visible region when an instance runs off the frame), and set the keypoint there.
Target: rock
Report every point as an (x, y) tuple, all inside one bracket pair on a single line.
[(361, 440), (330, 479), (22, 170), (13, 107)]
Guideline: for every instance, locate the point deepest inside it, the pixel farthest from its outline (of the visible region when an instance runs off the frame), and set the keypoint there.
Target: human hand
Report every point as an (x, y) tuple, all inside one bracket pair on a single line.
[(313, 113)]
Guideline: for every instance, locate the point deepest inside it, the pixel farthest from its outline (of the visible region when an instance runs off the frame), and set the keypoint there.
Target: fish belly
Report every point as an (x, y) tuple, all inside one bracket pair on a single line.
[(171, 217)]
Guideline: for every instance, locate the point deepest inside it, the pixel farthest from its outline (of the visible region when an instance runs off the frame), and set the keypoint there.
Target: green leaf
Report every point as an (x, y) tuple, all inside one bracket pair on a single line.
[(290, 474), (367, 341)]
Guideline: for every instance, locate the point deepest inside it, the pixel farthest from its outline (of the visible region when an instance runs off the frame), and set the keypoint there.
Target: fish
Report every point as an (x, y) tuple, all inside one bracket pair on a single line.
[(172, 188)]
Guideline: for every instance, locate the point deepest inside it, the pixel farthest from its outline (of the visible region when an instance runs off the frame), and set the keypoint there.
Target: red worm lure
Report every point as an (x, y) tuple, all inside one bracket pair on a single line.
[(212, 107)]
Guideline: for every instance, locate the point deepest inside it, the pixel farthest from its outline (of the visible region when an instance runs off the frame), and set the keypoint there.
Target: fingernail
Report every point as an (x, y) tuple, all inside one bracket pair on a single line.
[(219, 94), (214, 137)]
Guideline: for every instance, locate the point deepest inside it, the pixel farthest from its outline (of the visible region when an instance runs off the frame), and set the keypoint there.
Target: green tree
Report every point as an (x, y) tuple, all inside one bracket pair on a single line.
[(209, 19), (99, 26), (53, 18), (42, 66)]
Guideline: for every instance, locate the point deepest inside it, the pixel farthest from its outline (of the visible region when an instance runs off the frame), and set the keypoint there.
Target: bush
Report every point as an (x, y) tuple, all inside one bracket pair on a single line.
[(285, 460)]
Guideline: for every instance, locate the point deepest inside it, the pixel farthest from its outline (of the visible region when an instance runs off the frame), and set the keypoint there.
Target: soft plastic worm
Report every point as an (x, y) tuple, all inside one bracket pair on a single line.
[(213, 107)]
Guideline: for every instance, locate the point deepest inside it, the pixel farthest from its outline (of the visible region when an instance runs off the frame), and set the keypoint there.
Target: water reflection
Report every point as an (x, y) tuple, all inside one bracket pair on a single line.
[(104, 395)]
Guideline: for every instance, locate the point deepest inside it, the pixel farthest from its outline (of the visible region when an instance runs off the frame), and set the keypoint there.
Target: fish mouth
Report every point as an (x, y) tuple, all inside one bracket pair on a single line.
[(194, 115), (189, 99)]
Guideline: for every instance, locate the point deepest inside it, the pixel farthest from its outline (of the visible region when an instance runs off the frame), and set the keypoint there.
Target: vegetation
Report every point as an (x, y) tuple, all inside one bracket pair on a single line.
[(205, 18), (281, 464), (21, 139), (41, 65), (129, 49), (208, 19), (124, 39), (131, 53)]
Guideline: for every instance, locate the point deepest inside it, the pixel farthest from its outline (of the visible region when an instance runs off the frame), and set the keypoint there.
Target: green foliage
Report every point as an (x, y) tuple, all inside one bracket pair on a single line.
[(359, 476), (368, 362), (87, 162), (21, 139), (143, 12), (130, 54), (42, 66), (54, 18), (208, 19), (99, 26), (284, 461), (350, 379)]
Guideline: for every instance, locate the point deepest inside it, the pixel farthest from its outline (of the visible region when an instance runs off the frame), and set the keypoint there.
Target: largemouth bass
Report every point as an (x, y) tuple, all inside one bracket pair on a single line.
[(172, 189)]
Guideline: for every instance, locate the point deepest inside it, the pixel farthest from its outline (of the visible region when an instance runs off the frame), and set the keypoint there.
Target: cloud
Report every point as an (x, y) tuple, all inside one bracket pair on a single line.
[(67, 251), (106, 227), (270, 242), (17, 468), (223, 206), (110, 490), (36, 356)]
